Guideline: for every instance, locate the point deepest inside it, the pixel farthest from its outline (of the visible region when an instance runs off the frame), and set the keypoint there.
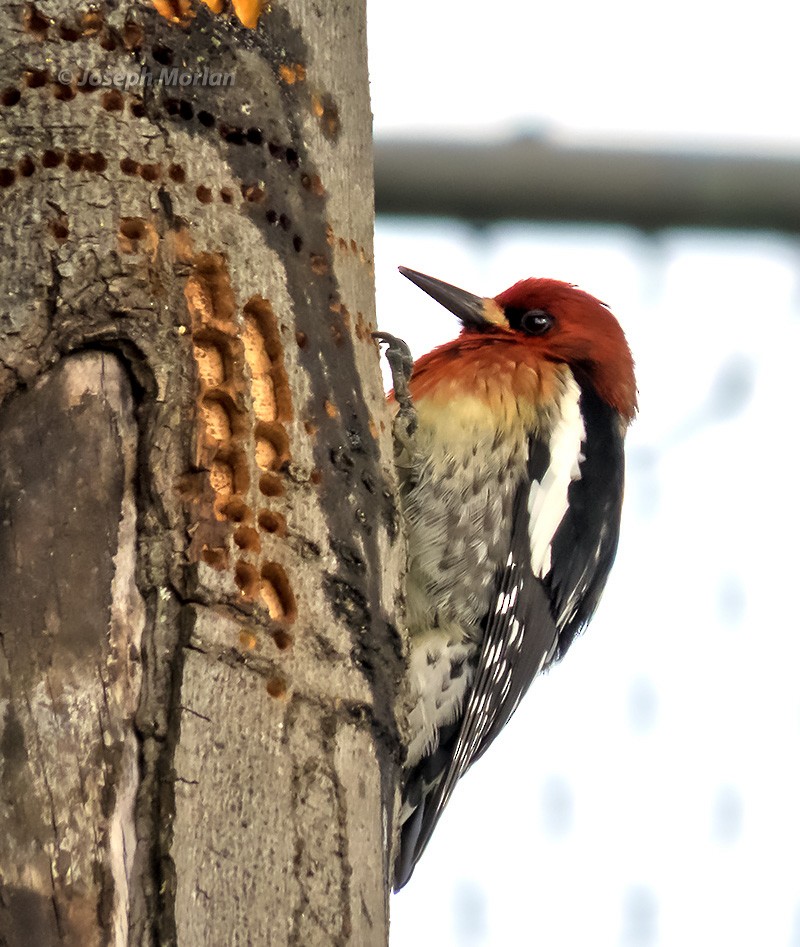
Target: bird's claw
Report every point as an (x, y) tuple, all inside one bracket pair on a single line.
[(401, 364), (398, 355)]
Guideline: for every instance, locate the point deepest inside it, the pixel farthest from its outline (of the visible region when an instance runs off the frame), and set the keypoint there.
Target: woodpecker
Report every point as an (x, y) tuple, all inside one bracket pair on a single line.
[(509, 446)]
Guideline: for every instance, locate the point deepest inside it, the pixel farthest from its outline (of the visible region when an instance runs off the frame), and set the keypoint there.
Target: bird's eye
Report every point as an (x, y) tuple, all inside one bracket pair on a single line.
[(536, 322)]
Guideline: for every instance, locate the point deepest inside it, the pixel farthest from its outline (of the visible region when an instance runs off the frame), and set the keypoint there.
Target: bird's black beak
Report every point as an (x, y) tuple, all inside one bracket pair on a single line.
[(471, 310)]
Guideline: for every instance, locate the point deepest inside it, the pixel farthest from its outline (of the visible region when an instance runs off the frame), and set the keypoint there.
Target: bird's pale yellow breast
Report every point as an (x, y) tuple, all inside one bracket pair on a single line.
[(492, 394)]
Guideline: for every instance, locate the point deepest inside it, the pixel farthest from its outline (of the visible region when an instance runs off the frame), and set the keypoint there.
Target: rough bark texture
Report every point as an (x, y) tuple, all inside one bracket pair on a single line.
[(69, 653), (199, 553)]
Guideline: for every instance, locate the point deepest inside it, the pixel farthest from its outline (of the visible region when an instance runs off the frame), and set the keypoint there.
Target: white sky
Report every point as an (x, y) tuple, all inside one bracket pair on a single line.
[(647, 792), (691, 69)]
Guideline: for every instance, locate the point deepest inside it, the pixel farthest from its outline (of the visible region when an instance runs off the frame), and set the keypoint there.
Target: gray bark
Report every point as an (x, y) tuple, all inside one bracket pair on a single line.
[(200, 560)]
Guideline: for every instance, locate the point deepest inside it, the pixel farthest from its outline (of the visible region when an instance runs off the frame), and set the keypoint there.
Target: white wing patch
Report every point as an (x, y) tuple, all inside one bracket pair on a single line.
[(547, 501)]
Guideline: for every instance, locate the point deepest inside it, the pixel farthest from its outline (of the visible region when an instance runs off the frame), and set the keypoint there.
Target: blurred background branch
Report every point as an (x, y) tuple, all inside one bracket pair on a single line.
[(543, 178)]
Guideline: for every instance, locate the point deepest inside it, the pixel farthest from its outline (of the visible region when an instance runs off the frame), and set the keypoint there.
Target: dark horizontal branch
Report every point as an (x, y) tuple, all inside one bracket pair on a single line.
[(534, 178)]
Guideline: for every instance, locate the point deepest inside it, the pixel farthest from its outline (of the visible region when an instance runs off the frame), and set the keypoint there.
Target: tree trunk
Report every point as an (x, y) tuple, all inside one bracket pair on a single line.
[(200, 559)]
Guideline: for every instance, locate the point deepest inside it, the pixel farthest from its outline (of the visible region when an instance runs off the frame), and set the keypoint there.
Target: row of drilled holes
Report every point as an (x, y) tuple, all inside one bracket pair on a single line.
[(96, 162), (344, 246), (38, 25), (180, 108), (114, 101), (149, 172), (92, 161)]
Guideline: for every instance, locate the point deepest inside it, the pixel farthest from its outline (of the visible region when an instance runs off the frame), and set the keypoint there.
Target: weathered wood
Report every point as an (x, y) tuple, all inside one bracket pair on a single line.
[(70, 631), (188, 268)]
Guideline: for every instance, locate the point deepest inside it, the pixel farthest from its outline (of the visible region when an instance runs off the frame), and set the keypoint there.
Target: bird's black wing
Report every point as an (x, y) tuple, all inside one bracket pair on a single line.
[(533, 618), (585, 543)]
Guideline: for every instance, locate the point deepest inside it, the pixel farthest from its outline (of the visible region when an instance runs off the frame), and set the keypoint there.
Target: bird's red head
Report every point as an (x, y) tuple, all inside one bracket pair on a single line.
[(554, 321)]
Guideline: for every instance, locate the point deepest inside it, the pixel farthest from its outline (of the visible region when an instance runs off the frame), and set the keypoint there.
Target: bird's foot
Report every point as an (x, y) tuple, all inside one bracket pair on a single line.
[(398, 355)]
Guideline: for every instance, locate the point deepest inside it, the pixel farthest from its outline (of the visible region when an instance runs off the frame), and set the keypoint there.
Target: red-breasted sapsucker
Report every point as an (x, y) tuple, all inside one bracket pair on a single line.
[(511, 472)]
